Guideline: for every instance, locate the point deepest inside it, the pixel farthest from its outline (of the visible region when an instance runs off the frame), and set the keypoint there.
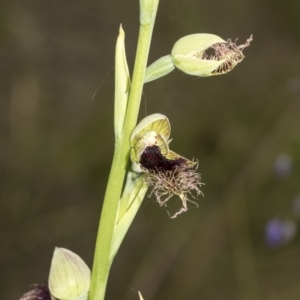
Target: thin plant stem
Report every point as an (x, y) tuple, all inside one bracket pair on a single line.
[(102, 259)]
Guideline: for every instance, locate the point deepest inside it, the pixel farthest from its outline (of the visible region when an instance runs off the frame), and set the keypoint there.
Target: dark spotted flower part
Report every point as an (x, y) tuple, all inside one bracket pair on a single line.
[(37, 292), (153, 160)]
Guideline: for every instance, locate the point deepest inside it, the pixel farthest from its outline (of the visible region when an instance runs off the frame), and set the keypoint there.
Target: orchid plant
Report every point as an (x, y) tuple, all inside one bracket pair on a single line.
[(142, 158)]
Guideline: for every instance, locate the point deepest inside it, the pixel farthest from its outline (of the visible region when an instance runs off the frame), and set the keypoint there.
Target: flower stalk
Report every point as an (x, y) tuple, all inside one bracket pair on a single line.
[(102, 257)]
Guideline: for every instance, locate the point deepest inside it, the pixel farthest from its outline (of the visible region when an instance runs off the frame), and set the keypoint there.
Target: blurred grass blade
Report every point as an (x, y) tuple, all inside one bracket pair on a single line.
[(122, 84), (141, 298)]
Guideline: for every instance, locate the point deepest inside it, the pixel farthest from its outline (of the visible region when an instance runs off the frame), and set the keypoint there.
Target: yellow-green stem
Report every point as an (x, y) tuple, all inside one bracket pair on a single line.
[(102, 262)]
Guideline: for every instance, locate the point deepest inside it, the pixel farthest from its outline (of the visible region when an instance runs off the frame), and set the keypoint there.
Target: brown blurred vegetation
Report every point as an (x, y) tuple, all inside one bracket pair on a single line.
[(56, 144)]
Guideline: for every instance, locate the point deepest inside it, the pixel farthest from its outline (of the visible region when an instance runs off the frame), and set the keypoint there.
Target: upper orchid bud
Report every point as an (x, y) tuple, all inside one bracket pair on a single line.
[(205, 54), (69, 277)]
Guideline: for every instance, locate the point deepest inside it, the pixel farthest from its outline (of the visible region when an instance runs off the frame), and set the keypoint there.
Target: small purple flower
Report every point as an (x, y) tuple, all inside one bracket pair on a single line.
[(278, 232), (283, 165), (274, 233)]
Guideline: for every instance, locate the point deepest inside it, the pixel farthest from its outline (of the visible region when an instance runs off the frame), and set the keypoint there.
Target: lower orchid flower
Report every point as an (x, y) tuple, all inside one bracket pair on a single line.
[(168, 173)]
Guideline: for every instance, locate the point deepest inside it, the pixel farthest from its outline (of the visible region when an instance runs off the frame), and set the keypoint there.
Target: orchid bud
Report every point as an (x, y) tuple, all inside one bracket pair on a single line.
[(205, 54), (69, 277)]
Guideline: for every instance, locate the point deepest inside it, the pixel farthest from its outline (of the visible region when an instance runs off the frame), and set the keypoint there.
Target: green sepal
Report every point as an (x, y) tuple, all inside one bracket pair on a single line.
[(197, 67)]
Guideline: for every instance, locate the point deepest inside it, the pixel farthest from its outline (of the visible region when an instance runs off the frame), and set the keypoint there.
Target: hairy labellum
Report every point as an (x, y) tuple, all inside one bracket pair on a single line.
[(169, 177), (229, 51)]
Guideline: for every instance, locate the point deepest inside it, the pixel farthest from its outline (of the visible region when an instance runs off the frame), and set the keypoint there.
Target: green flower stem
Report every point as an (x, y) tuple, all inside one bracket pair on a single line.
[(146, 29), (102, 260)]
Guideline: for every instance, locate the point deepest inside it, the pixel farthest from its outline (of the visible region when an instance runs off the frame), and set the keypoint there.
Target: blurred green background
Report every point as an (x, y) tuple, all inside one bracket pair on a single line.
[(56, 146)]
